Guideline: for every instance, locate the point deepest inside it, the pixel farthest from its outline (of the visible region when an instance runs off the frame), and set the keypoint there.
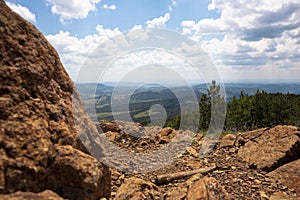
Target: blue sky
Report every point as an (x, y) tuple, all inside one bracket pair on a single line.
[(250, 40)]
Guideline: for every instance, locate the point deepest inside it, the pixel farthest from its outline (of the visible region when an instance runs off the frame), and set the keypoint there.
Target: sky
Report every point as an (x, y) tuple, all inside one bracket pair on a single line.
[(246, 41)]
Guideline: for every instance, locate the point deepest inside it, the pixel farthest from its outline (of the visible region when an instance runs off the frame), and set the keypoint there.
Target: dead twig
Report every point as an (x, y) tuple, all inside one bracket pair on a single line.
[(166, 178)]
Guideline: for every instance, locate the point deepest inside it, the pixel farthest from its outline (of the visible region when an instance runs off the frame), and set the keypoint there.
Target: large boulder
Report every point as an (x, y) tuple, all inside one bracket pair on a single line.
[(273, 148), (76, 175), (36, 115)]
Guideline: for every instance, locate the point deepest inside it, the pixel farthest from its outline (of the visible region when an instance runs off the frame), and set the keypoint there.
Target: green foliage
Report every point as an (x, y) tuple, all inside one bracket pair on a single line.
[(211, 109), (263, 110), (187, 121), (205, 112), (174, 122), (244, 113), (218, 108)]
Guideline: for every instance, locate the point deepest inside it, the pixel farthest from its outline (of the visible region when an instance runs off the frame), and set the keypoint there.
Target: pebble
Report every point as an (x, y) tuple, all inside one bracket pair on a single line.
[(263, 195)]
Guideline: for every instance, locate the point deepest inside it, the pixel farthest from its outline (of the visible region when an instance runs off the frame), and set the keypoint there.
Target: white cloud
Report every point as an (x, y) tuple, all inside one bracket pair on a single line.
[(159, 22), (23, 11), (73, 51), (123, 53), (72, 9), (251, 36), (111, 7)]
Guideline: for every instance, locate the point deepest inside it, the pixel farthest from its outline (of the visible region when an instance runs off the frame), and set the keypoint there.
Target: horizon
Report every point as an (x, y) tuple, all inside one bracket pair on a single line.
[(195, 83)]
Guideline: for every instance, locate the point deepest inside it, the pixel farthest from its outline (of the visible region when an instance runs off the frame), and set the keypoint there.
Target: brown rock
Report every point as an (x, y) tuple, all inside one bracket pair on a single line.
[(282, 196), (245, 137), (37, 111), (227, 141), (289, 174), (113, 136), (263, 195), (76, 175), (192, 152), (108, 126), (207, 188), (272, 149), (136, 188), (45, 195), (176, 193), (165, 135)]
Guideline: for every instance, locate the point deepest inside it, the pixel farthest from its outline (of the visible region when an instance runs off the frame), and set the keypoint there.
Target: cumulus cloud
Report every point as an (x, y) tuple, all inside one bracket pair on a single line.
[(23, 11), (111, 7), (159, 22), (72, 9), (250, 34), (73, 50)]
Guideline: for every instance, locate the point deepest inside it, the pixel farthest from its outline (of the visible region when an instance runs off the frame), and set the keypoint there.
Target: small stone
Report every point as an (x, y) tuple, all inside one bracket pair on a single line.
[(192, 152), (176, 193), (207, 188), (257, 181), (118, 183), (227, 141), (235, 180), (263, 195), (255, 186), (137, 188), (115, 175)]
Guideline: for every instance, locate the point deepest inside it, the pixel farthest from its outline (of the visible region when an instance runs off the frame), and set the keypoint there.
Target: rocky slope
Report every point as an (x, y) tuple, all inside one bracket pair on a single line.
[(260, 164), (42, 157), (39, 141)]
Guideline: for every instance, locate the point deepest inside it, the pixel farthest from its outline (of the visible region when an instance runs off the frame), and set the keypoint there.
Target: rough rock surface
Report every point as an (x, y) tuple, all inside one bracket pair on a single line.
[(36, 114), (273, 148), (227, 141), (207, 188), (289, 174), (45, 195), (84, 174), (282, 196), (136, 188), (237, 177)]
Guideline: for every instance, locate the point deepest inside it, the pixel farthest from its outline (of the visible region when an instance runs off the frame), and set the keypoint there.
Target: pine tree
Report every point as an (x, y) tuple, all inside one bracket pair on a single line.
[(218, 108)]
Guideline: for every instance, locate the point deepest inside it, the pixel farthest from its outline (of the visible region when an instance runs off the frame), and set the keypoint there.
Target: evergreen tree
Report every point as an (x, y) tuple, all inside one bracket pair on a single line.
[(218, 108), (205, 112)]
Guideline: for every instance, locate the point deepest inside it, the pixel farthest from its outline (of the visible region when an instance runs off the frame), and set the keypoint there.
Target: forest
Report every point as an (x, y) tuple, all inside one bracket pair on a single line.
[(246, 112)]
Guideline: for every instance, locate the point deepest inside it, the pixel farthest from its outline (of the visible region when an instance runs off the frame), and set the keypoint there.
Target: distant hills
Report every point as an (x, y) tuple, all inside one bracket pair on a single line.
[(97, 96)]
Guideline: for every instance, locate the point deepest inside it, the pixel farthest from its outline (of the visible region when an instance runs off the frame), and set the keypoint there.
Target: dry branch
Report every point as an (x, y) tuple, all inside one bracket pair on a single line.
[(166, 178)]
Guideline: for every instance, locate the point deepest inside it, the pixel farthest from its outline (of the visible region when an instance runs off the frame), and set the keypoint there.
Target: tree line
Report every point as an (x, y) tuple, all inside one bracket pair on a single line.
[(244, 112)]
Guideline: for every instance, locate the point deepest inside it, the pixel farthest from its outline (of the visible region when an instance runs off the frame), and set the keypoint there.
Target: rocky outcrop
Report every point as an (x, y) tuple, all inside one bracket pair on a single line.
[(45, 195), (233, 178), (38, 133), (272, 148), (289, 174)]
